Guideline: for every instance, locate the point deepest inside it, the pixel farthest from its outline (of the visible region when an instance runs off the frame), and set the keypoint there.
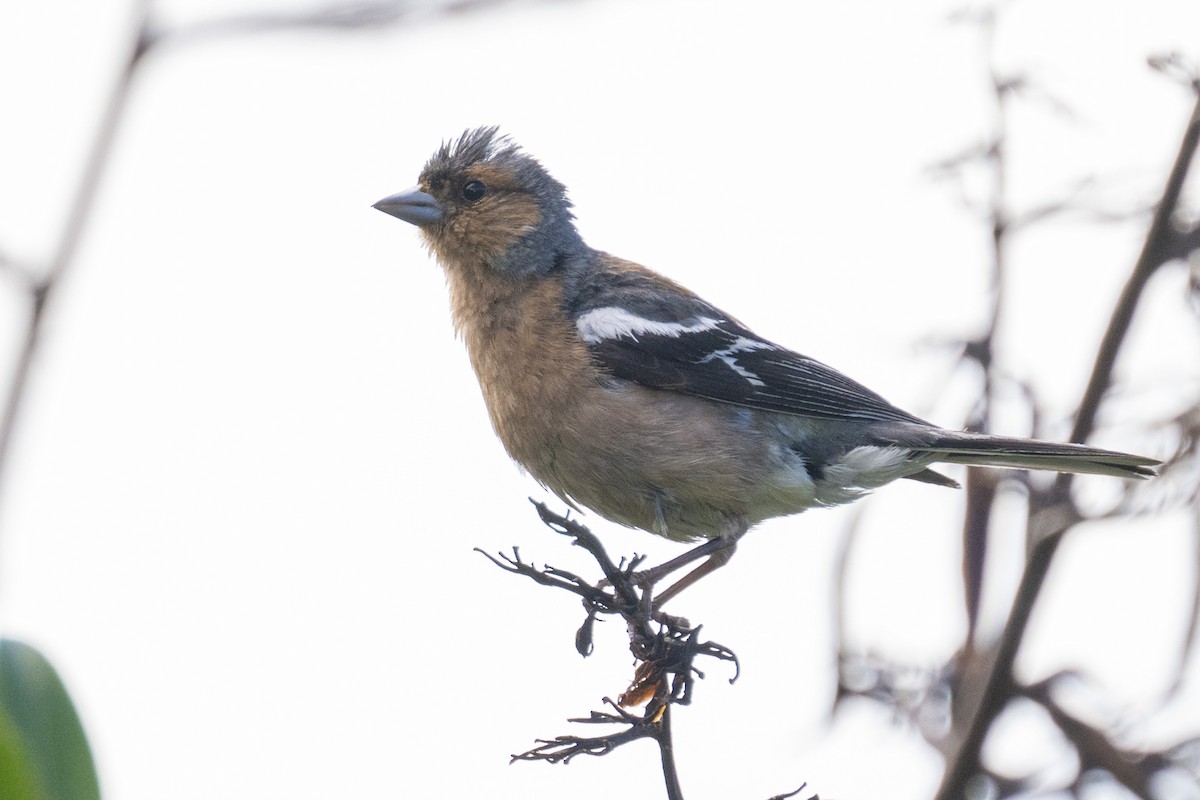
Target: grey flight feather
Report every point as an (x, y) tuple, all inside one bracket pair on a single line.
[(979, 449)]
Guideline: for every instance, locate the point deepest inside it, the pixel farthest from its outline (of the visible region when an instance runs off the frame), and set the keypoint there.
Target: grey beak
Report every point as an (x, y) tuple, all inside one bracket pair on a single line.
[(412, 205)]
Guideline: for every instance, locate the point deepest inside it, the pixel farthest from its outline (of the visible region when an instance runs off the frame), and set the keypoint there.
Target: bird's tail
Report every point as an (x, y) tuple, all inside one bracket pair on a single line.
[(983, 450)]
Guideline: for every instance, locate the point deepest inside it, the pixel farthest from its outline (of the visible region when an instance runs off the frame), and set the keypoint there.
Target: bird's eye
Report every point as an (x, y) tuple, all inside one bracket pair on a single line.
[(473, 191)]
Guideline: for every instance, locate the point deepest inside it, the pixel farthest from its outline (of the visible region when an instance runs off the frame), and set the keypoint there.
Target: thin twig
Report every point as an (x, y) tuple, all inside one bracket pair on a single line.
[(665, 647), (666, 750)]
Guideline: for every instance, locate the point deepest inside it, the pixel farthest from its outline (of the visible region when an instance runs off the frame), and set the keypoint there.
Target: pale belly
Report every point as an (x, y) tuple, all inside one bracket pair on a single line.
[(674, 465)]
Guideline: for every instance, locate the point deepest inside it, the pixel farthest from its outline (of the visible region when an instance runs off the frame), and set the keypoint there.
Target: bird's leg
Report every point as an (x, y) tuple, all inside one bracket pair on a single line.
[(717, 550)]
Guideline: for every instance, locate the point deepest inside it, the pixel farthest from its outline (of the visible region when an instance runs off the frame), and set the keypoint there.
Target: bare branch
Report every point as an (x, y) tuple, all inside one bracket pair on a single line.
[(1177, 67), (1182, 244), (665, 646), (79, 211), (564, 748), (1054, 512), (10, 266), (1157, 250), (1192, 629), (841, 573), (1132, 770), (788, 795), (346, 16)]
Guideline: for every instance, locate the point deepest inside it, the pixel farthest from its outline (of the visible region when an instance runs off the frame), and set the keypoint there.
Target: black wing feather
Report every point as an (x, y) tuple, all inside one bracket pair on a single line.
[(717, 357), (762, 374)]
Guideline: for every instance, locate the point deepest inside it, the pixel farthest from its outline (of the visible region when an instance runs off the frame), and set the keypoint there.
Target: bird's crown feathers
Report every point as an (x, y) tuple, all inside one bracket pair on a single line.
[(473, 147), (486, 145)]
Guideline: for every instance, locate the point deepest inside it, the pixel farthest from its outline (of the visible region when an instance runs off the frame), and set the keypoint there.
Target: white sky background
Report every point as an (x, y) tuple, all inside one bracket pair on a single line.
[(253, 461)]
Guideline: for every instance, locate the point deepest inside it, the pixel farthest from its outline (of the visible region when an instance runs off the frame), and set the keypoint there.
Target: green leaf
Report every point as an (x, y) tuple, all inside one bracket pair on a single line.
[(44, 754), (17, 778)]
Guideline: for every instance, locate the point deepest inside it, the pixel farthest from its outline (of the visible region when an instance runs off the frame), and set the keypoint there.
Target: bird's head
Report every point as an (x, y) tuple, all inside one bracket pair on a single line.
[(482, 200)]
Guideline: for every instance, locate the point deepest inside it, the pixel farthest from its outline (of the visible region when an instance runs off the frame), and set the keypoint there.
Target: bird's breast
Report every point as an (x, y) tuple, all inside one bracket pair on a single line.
[(528, 358)]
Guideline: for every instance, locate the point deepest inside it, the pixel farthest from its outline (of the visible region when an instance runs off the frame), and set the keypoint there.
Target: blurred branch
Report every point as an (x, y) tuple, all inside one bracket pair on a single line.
[(1177, 67), (1133, 770), (1180, 476), (339, 15), (981, 484), (838, 593), (1193, 622), (1054, 512), (1163, 243), (1182, 244), (42, 284), (42, 288)]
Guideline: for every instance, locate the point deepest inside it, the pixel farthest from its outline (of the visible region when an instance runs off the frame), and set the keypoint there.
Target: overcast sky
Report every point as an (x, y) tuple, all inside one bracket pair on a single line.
[(240, 510)]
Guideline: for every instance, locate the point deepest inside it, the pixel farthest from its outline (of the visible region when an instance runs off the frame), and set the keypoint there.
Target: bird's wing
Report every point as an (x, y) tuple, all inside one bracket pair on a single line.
[(659, 335)]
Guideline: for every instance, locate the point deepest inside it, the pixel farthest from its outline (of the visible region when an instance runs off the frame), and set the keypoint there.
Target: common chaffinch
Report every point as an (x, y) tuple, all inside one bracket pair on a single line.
[(622, 391)]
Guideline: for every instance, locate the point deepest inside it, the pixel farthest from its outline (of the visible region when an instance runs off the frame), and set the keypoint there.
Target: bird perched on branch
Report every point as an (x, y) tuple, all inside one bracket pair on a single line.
[(624, 392)]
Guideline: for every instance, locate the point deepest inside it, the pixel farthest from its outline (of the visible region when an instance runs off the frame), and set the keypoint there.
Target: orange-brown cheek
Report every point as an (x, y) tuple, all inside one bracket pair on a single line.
[(488, 232)]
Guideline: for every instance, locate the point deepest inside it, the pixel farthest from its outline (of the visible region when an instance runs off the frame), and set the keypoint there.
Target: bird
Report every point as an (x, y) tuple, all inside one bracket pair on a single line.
[(623, 392)]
